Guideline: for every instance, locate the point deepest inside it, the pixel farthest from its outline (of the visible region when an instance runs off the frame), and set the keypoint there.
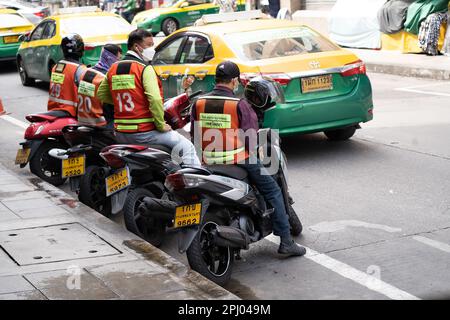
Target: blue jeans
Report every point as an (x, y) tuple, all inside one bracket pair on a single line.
[(271, 192)]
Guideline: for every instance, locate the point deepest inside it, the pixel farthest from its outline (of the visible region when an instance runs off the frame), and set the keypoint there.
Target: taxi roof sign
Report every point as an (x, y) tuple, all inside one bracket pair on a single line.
[(78, 10), (232, 16)]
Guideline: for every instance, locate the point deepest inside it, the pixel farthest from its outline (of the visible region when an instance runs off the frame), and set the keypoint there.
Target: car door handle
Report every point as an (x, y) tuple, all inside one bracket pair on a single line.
[(200, 75), (165, 75)]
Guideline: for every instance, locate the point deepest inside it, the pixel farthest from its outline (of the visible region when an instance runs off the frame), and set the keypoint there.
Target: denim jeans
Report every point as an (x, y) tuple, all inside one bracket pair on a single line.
[(272, 193), (170, 139)]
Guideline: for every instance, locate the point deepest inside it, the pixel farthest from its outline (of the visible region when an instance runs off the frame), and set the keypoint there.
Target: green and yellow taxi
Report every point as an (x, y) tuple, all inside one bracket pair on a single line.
[(177, 14), (12, 26), (41, 49), (326, 87)]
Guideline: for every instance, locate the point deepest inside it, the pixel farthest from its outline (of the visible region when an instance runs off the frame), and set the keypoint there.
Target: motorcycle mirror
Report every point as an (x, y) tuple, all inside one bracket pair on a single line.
[(58, 153)]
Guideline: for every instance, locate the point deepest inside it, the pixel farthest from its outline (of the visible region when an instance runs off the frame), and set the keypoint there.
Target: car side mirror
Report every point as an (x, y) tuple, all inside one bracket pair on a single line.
[(184, 5), (23, 37)]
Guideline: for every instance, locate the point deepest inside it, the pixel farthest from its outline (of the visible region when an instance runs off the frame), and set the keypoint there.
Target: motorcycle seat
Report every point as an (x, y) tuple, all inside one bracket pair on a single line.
[(228, 170), (47, 116)]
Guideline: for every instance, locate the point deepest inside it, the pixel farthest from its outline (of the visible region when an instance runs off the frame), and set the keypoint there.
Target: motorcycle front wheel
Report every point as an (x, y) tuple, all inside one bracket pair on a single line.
[(45, 166), (150, 229), (295, 223), (211, 261)]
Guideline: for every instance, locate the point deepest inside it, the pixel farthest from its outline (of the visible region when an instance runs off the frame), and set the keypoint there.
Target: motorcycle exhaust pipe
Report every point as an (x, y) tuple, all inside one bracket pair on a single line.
[(230, 237), (157, 208)]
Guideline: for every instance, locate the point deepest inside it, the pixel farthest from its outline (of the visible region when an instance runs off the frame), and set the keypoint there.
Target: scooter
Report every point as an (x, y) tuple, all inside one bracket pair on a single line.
[(43, 134), (82, 164), (217, 212)]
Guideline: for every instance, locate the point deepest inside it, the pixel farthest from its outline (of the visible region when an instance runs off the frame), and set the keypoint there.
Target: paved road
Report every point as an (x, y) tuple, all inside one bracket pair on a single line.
[(376, 209)]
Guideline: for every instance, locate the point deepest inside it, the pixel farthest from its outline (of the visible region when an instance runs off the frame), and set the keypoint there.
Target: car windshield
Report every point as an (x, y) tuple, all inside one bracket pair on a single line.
[(172, 3), (277, 42), (95, 26), (12, 20)]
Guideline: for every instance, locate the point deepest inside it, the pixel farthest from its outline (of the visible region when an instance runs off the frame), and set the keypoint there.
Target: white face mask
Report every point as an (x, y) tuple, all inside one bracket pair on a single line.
[(236, 87), (148, 54)]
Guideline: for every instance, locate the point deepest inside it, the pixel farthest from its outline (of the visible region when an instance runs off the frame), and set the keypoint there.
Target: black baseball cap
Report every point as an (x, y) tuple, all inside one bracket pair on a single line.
[(227, 70)]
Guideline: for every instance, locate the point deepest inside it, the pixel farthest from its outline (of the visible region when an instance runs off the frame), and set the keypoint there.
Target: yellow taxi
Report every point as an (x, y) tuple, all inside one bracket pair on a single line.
[(12, 26), (40, 49), (326, 87)]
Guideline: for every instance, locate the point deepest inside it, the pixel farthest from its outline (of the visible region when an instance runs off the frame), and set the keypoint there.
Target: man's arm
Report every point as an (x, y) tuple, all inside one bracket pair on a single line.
[(103, 92), (151, 88)]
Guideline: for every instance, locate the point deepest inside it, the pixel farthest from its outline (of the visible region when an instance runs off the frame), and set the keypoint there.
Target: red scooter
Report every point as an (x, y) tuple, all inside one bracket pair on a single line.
[(43, 134)]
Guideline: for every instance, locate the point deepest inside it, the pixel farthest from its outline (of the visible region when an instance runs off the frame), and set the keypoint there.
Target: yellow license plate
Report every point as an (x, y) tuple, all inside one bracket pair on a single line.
[(11, 39), (187, 215), (319, 83), (73, 167), (22, 156), (117, 181)]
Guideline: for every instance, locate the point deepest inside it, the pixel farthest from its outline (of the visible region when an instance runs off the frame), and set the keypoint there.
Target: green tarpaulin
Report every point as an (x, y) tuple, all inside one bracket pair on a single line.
[(419, 11)]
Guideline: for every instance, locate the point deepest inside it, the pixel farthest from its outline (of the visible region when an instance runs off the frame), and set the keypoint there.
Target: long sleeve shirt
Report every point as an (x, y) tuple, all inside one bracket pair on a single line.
[(151, 90)]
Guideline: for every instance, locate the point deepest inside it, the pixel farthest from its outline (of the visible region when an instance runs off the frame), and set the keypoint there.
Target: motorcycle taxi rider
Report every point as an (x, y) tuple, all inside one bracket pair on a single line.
[(134, 88), (221, 110), (65, 77), (91, 111)]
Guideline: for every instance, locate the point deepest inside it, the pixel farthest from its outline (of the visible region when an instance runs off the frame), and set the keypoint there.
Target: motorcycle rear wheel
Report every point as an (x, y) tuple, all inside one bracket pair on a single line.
[(151, 230), (213, 262), (46, 167), (93, 190)]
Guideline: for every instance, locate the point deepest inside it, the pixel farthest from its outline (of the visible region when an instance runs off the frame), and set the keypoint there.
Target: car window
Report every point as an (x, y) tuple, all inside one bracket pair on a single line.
[(12, 20), (95, 26), (196, 50), (37, 33), (197, 2), (277, 42), (49, 31), (168, 54)]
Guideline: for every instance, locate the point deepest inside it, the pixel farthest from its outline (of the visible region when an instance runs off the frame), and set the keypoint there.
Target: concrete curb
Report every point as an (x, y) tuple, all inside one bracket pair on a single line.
[(134, 252), (409, 71)]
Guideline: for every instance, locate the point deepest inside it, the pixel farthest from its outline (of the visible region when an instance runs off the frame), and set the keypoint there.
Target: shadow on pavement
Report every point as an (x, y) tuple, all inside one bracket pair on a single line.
[(8, 67)]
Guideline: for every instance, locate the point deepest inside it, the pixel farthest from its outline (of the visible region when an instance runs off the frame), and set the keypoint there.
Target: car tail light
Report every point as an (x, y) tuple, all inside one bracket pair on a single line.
[(282, 78), (175, 181), (88, 47), (40, 14), (354, 68)]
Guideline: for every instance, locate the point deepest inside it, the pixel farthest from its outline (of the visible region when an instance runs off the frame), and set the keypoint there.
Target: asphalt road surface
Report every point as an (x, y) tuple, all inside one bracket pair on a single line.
[(375, 209)]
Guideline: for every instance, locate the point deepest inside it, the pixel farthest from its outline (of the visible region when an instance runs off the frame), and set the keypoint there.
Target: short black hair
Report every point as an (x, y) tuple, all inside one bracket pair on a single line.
[(222, 80), (137, 36), (113, 48)]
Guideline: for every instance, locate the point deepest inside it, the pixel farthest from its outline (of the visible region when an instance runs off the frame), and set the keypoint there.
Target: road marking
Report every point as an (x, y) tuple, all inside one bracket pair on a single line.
[(346, 271), (433, 243), (333, 226), (14, 121), (424, 92)]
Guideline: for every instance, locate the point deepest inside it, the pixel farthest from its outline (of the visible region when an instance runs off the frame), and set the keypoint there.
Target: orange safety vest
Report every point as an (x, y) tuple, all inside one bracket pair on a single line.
[(63, 90), (131, 107), (220, 114), (90, 109)]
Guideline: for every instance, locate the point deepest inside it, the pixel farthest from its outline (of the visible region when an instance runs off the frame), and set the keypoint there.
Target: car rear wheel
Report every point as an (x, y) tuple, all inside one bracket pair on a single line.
[(24, 78), (169, 26), (340, 134)]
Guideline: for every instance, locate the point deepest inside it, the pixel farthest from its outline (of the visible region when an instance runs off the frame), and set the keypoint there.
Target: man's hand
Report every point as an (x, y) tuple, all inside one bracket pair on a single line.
[(166, 128)]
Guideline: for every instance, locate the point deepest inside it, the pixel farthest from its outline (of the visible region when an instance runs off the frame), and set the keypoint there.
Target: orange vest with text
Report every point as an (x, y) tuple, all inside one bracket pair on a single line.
[(222, 144), (90, 109), (63, 90), (131, 107)]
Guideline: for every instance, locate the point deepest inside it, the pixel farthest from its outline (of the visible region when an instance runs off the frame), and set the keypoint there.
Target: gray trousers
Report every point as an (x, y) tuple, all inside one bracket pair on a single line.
[(182, 149)]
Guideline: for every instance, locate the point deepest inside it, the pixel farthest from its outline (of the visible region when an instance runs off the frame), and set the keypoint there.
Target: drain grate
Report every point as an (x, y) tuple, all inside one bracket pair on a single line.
[(53, 244)]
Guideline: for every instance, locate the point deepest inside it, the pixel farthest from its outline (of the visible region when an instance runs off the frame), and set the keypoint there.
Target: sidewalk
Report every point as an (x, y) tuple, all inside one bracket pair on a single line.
[(402, 64), (53, 247)]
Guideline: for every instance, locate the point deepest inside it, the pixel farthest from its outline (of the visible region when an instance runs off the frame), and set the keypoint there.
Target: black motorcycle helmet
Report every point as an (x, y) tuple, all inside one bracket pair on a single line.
[(72, 46), (263, 92)]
